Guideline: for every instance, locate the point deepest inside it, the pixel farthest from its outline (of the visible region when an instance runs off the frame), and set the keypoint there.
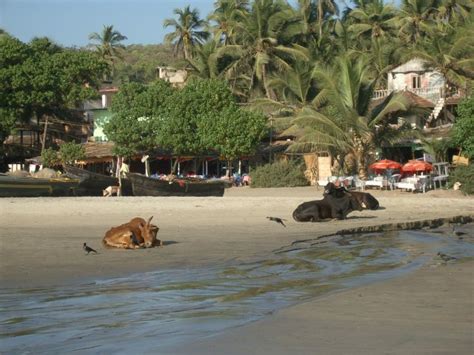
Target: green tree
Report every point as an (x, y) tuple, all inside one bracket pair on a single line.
[(457, 10), (258, 52), (205, 64), (325, 7), (343, 118), (49, 158), (187, 31), (232, 132), (138, 111), (227, 15), (416, 19), (374, 21), (108, 44), (178, 130), (43, 80), (69, 152), (462, 133)]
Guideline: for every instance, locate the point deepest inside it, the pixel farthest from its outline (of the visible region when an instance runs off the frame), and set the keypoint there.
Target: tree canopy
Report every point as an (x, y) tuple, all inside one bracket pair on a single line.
[(463, 130), (202, 117), (41, 78)]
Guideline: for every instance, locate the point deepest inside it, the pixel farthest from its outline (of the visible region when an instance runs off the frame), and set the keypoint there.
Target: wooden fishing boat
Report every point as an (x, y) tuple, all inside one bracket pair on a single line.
[(92, 184), (146, 186), (14, 186)]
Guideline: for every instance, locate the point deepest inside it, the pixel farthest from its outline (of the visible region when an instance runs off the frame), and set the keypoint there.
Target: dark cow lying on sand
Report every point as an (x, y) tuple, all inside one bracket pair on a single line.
[(366, 200), (135, 234), (336, 204)]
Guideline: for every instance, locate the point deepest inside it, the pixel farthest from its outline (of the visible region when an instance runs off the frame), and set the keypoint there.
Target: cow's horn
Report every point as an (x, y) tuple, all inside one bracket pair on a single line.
[(149, 220)]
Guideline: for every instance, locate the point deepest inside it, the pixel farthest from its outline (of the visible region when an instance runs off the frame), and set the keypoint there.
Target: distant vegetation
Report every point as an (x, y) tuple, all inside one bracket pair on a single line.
[(139, 62), (464, 175), (279, 174)]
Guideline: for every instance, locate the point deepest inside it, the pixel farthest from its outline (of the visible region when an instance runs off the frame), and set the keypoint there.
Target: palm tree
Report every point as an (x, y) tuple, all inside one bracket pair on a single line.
[(455, 9), (452, 55), (373, 21), (187, 31), (204, 64), (325, 7), (108, 44), (416, 18), (258, 52), (306, 21), (343, 117), (227, 15)]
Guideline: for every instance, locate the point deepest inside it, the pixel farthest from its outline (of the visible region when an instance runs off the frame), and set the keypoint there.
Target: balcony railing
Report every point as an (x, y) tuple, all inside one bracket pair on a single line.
[(432, 94)]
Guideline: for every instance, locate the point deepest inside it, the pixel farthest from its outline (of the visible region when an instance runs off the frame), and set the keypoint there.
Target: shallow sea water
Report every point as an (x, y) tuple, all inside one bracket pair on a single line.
[(158, 310)]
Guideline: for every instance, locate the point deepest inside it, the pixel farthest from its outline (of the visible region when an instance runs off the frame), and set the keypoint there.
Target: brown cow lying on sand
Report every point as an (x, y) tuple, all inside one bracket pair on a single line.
[(135, 234)]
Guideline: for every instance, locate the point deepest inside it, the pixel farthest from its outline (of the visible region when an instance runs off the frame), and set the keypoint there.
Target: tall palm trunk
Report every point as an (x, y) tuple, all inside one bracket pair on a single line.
[(268, 90), (186, 48)]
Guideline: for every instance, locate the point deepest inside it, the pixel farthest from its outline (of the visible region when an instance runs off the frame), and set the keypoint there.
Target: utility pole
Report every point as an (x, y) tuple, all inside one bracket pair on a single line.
[(271, 138), (43, 144)]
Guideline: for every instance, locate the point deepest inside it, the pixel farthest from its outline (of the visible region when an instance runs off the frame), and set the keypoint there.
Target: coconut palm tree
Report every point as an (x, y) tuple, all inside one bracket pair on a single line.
[(108, 44), (416, 18), (343, 118), (258, 51), (227, 15), (325, 8), (455, 10), (187, 31), (305, 24), (373, 21), (451, 54), (204, 64)]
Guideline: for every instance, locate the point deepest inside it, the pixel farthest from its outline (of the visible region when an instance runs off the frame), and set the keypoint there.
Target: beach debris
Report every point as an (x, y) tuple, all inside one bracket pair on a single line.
[(457, 232), (277, 220), (446, 257), (88, 249)]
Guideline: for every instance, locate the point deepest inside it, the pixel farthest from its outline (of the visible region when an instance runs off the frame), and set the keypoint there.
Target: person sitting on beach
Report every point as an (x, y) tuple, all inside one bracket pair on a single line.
[(124, 169)]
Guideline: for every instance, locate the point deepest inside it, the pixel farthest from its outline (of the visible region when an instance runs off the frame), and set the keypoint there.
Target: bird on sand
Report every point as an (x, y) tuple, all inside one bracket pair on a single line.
[(446, 257), (278, 220), (88, 249)]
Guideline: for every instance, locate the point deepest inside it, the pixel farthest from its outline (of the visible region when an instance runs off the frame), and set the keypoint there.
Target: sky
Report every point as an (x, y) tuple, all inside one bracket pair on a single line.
[(70, 22)]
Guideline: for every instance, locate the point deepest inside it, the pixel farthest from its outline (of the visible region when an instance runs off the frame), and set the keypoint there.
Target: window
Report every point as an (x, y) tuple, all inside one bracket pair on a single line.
[(416, 82)]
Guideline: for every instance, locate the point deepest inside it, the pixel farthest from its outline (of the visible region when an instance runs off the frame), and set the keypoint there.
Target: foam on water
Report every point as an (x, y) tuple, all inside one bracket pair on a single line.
[(157, 310)]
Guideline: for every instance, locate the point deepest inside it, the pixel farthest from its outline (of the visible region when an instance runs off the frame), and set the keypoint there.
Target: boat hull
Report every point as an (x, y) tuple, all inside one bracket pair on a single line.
[(12, 186), (146, 186), (92, 184)]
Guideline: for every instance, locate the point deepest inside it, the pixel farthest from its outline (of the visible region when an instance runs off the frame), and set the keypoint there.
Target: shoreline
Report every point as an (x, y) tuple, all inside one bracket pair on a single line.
[(48, 233), (429, 310)]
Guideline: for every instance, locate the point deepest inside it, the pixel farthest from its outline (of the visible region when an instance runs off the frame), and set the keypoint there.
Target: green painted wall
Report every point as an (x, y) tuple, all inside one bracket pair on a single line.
[(101, 117)]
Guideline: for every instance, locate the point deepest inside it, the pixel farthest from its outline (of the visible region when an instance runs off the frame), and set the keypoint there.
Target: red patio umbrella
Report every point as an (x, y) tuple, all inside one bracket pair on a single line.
[(385, 164), (414, 166)]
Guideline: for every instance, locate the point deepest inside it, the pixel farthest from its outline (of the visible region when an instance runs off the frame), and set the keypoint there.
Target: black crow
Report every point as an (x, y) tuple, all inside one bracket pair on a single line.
[(278, 220), (88, 249), (445, 257)]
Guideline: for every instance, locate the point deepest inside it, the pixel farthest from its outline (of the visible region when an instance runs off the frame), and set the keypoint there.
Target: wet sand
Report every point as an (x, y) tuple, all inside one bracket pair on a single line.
[(427, 311)]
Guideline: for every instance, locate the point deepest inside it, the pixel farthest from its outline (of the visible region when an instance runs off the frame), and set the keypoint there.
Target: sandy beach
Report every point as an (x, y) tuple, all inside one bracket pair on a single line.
[(427, 311)]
